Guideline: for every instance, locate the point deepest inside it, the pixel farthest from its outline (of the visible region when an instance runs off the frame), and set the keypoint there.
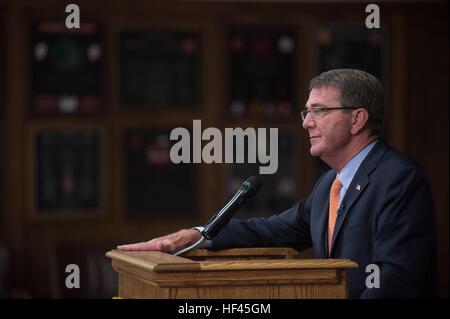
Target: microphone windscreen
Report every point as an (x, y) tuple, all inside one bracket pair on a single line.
[(253, 185)]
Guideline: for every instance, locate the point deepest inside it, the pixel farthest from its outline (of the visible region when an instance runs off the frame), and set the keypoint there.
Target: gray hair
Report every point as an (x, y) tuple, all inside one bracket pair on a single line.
[(356, 89)]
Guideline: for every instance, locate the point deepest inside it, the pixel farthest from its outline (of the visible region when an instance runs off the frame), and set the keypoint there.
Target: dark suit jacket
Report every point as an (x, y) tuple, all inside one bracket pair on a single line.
[(386, 218)]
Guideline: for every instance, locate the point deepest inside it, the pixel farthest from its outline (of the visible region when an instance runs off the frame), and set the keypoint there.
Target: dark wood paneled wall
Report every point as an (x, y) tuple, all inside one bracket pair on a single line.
[(427, 132)]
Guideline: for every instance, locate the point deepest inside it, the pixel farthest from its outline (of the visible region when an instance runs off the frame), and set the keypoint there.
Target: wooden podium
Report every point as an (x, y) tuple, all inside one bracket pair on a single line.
[(246, 273)]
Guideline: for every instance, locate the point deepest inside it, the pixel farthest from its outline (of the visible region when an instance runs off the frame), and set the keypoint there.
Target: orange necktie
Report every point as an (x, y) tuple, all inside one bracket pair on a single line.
[(334, 205)]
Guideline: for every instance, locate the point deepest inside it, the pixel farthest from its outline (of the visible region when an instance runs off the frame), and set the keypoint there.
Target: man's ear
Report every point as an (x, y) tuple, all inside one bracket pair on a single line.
[(359, 120)]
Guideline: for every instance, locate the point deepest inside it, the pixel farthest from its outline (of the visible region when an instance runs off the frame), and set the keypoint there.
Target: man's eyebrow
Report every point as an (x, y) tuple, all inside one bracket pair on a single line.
[(314, 105)]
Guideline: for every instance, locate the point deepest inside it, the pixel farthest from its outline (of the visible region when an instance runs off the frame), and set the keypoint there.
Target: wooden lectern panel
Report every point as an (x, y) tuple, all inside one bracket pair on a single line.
[(230, 274)]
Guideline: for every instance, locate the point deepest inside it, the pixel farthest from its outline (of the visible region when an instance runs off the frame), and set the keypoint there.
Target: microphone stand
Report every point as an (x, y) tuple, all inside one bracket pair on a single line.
[(248, 189)]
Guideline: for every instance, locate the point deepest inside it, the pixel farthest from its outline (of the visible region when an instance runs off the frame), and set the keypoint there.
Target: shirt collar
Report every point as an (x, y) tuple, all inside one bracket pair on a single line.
[(349, 170)]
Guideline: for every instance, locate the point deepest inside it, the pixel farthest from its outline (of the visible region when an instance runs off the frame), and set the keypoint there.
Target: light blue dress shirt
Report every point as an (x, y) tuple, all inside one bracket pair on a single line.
[(348, 172)]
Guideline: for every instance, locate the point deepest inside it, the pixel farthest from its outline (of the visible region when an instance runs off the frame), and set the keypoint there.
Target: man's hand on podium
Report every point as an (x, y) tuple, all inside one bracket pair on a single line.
[(170, 243)]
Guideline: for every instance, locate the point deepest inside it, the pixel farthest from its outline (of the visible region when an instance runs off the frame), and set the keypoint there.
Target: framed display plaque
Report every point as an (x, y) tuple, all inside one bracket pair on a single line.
[(66, 68), (261, 72), (159, 69), (350, 46), (66, 171), (154, 185)]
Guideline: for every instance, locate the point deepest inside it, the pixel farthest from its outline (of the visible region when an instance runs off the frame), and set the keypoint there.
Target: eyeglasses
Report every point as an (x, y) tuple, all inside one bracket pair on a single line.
[(316, 113)]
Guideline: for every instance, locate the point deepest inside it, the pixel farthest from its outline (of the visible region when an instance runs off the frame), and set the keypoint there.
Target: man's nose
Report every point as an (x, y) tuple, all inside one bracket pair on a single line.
[(308, 122)]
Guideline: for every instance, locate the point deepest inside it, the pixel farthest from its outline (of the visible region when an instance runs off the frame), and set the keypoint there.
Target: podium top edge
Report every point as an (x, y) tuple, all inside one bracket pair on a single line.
[(148, 259), (163, 262), (236, 265)]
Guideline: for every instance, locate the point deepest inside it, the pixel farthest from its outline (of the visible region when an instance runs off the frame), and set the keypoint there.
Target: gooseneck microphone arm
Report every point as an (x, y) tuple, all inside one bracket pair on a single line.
[(193, 246), (224, 215), (216, 222), (248, 189)]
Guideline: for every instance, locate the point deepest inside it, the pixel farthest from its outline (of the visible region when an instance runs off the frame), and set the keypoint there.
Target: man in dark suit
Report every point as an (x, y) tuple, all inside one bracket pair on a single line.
[(373, 207)]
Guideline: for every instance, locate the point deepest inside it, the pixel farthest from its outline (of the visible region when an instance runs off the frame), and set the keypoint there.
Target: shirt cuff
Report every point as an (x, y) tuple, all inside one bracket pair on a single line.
[(206, 244)]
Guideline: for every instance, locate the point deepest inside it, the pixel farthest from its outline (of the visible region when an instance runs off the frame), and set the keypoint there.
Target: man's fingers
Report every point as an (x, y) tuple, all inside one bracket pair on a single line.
[(138, 246), (128, 247), (169, 243)]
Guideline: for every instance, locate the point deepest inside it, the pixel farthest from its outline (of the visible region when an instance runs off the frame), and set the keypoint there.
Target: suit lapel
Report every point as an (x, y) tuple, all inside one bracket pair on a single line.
[(323, 222), (357, 186)]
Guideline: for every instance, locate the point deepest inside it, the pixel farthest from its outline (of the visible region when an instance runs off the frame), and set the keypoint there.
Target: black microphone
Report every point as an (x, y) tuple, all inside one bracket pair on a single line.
[(248, 189)]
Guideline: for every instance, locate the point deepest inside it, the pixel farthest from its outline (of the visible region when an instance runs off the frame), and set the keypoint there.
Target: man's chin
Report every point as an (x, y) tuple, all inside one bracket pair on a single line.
[(315, 151)]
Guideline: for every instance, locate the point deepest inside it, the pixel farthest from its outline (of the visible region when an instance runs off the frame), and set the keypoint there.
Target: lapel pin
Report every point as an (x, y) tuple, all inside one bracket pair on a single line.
[(358, 187)]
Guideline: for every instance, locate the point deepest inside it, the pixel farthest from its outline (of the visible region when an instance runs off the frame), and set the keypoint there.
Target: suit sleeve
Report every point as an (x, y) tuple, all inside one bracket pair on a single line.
[(404, 237), (288, 229)]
